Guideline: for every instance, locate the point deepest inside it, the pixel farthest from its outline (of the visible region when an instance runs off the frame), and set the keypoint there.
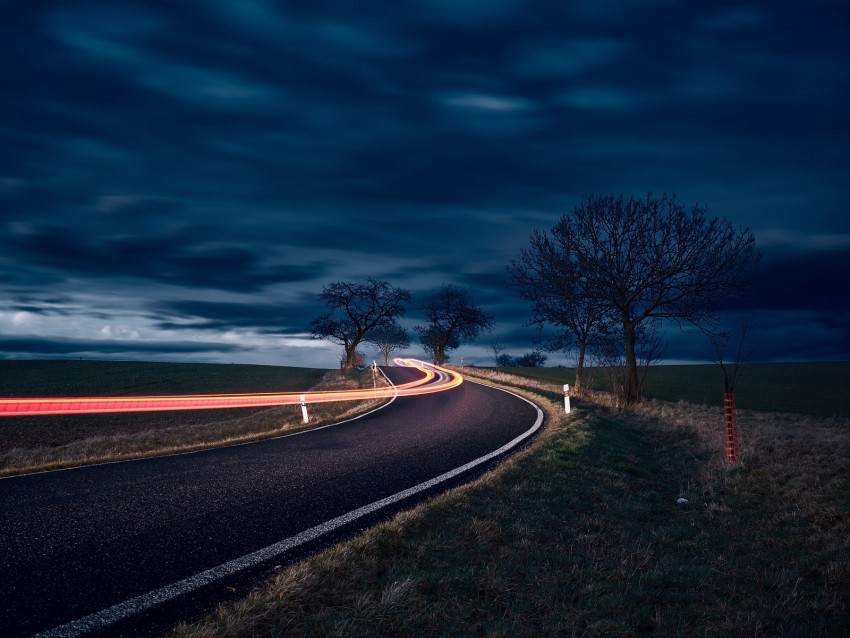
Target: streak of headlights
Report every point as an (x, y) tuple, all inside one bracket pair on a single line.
[(434, 379)]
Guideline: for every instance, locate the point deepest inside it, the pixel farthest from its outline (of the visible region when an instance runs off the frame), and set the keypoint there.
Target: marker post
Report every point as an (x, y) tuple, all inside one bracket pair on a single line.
[(304, 407), (567, 398)]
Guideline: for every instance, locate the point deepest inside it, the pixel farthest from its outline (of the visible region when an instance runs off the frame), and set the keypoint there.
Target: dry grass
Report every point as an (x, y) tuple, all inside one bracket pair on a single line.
[(30, 444), (580, 534)]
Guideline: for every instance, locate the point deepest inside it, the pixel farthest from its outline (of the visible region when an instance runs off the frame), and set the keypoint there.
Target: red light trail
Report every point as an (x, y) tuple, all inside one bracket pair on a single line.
[(435, 379)]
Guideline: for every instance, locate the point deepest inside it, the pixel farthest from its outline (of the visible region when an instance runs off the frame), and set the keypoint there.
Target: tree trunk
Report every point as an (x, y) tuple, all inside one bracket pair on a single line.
[(631, 391), (350, 356), (582, 347), (440, 355)]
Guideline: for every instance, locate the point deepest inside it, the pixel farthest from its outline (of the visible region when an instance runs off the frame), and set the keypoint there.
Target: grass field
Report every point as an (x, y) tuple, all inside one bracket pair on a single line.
[(48, 442), (816, 389), (580, 534)]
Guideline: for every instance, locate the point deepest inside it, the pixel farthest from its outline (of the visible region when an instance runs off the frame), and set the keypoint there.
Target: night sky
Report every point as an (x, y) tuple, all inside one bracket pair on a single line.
[(179, 180)]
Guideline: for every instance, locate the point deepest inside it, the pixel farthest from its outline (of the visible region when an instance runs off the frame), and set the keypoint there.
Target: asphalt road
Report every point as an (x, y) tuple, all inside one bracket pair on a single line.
[(76, 542)]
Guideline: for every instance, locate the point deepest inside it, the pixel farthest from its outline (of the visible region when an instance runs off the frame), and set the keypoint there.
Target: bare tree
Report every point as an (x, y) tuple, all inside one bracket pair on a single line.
[(357, 308), (642, 259), (732, 371), (388, 338), (546, 275), (452, 318), (497, 348)]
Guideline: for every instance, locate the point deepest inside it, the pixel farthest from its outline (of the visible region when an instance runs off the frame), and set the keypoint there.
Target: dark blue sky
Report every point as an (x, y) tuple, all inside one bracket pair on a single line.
[(180, 179)]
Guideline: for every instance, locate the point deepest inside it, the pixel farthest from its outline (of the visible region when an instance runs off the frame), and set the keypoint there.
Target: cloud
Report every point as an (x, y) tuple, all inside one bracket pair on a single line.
[(606, 99), (222, 316), (174, 257), (562, 58), (124, 39), (805, 281), (21, 318), (734, 19), (783, 240), (472, 13), (493, 103), (802, 335)]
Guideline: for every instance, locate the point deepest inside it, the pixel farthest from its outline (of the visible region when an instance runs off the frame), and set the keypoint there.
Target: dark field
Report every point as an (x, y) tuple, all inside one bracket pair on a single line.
[(815, 389), (127, 378)]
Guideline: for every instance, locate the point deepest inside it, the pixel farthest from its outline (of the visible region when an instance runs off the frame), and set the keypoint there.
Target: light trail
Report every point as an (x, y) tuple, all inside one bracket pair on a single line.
[(435, 379)]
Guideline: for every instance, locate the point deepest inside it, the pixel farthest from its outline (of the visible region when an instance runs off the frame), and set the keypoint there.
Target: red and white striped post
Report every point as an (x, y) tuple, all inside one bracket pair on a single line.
[(567, 398), (731, 422)]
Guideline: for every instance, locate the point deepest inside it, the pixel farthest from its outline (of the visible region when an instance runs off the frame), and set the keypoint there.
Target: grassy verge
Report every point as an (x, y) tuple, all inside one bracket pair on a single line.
[(37, 443), (581, 534)]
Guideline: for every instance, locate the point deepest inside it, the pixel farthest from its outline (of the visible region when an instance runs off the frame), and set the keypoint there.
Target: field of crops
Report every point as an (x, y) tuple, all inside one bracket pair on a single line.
[(815, 389)]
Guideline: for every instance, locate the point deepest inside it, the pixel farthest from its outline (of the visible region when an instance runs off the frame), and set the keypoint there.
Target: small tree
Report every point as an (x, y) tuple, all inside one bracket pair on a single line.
[(731, 375), (452, 318), (388, 338), (498, 349), (357, 308)]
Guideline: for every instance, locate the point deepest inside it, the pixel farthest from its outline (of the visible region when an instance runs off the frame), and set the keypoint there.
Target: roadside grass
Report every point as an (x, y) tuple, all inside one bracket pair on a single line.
[(580, 534), (37, 443), (814, 389)]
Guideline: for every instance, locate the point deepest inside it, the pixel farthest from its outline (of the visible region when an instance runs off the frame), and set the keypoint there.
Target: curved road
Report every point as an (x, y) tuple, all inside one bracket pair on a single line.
[(76, 542)]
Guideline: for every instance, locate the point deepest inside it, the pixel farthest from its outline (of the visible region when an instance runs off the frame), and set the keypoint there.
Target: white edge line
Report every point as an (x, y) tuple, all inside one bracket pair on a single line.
[(128, 608), (210, 449)]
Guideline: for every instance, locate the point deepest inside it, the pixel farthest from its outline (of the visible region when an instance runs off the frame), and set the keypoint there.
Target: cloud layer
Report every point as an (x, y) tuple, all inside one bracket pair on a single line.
[(181, 179)]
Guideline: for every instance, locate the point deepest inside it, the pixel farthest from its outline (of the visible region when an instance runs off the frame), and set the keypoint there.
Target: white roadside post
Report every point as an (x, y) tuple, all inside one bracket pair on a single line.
[(304, 408), (567, 398)]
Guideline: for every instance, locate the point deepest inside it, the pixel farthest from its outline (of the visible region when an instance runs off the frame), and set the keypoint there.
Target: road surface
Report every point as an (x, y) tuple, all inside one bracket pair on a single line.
[(76, 545)]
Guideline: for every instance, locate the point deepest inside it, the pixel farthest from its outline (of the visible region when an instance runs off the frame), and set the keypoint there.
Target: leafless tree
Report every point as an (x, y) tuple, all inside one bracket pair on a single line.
[(546, 275), (732, 371), (452, 318), (355, 309), (635, 260), (388, 338), (734, 367), (497, 348)]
